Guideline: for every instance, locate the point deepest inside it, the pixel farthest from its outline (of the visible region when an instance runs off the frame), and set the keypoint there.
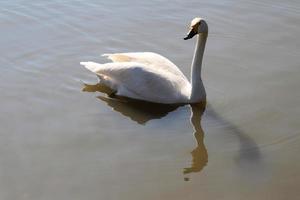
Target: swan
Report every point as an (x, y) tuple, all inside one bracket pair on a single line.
[(151, 77)]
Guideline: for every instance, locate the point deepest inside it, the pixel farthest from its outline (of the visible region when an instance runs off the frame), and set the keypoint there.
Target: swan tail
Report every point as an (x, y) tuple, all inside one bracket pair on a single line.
[(92, 66)]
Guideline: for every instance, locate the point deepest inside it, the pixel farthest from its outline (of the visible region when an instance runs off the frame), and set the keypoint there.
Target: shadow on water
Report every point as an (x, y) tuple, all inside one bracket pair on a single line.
[(141, 112), (249, 155)]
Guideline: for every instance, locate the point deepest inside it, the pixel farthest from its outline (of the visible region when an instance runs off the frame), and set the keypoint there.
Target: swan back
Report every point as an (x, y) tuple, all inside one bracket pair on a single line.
[(148, 58)]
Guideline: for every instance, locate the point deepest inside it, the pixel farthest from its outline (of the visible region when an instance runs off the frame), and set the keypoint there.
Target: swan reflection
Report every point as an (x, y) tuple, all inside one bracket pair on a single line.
[(138, 111), (141, 112), (199, 154)]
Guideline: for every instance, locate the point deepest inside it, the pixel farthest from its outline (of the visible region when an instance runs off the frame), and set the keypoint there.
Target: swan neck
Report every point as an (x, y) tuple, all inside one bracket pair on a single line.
[(198, 91)]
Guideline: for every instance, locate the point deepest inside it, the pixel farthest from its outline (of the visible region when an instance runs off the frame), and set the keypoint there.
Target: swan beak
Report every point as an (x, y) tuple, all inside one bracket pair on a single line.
[(190, 34)]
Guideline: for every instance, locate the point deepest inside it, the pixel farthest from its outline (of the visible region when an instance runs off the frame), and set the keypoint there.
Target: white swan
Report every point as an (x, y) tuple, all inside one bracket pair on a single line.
[(151, 77)]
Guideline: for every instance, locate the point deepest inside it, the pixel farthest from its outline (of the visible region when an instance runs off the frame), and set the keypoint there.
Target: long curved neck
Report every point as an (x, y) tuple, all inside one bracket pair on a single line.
[(198, 91)]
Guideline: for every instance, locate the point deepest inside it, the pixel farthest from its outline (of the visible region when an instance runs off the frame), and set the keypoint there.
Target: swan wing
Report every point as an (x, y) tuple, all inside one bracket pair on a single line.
[(141, 81), (149, 58)]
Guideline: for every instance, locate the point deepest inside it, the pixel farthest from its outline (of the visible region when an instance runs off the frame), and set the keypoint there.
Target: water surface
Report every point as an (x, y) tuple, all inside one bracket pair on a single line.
[(62, 139)]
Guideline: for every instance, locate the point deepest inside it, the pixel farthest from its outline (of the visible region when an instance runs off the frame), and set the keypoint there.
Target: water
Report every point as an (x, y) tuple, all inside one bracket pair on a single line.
[(61, 139)]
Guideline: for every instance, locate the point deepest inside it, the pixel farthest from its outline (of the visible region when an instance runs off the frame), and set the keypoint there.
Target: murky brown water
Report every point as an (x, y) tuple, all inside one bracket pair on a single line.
[(61, 139)]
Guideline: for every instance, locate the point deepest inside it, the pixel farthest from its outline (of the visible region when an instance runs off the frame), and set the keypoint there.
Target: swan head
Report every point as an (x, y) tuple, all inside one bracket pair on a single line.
[(198, 26)]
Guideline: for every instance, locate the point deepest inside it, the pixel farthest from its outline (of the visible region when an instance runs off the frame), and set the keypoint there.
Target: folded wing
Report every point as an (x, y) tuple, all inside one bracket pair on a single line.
[(149, 58)]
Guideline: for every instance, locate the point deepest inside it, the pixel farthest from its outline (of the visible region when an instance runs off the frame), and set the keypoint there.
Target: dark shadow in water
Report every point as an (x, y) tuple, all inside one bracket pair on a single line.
[(249, 154), (141, 112)]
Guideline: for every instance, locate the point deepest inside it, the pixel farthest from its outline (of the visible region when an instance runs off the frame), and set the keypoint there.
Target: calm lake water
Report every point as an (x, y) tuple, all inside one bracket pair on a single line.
[(61, 139)]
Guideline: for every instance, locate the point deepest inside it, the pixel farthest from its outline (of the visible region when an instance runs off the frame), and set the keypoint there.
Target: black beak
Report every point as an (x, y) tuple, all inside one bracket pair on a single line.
[(190, 34)]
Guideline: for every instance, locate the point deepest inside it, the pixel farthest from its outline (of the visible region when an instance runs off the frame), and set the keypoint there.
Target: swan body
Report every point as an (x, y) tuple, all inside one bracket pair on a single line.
[(151, 77)]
